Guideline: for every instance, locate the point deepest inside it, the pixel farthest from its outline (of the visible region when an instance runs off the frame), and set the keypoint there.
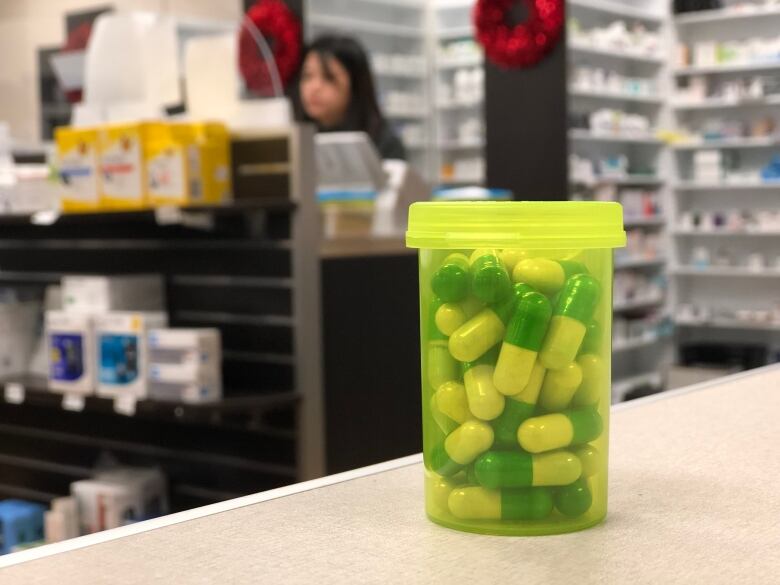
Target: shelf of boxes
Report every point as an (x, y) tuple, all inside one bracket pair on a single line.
[(359, 25), (728, 68), (728, 324), (725, 233), (727, 186), (726, 272), (723, 103), (731, 143), (743, 12), (630, 82)]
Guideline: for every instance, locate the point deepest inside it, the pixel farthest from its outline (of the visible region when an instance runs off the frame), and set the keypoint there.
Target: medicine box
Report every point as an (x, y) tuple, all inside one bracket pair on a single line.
[(122, 352), (148, 487), (70, 344), (187, 164), (104, 504), (101, 294), (187, 393), (78, 162), (20, 523), (121, 149)]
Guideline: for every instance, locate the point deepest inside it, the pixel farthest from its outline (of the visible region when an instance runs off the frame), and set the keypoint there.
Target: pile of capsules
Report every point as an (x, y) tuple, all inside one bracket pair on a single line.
[(513, 361)]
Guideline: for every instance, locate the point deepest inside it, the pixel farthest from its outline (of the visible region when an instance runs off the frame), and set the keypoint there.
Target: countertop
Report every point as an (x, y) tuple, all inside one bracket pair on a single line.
[(694, 498)]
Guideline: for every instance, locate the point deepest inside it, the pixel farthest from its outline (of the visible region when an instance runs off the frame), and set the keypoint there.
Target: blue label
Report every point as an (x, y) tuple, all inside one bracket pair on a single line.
[(67, 356), (118, 359)]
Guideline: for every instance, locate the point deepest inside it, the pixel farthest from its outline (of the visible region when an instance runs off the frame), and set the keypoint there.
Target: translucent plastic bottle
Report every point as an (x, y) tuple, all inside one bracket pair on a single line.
[(516, 316)]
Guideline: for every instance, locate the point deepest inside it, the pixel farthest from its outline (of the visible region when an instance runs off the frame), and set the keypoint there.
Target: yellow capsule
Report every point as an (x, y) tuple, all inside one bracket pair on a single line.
[(513, 368), (511, 257), (468, 441), (545, 433), (485, 401), (449, 406), (476, 336), (546, 276), (438, 490), (562, 342), (590, 457), (442, 367), (556, 468), (475, 503), (530, 393), (450, 316), (559, 386), (594, 378)]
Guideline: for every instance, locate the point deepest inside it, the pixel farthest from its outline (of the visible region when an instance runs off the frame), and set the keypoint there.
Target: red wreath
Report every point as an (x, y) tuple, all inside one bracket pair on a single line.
[(282, 29), (77, 41), (523, 44)]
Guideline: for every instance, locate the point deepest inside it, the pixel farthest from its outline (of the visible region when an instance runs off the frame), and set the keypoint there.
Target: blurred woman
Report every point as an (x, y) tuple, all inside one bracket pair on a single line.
[(337, 92)]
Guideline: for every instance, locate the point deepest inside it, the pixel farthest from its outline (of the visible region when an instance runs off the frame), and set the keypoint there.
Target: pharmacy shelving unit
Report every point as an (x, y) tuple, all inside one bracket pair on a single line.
[(251, 269), (723, 291), (638, 361), (458, 102), (388, 28)]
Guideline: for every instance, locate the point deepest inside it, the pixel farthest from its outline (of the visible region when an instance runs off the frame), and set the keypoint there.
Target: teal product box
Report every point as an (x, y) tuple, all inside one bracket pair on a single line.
[(20, 523), (122, 352)]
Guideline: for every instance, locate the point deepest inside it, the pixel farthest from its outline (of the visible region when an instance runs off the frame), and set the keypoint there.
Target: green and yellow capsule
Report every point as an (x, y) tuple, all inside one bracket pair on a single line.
[(478, 503), (485, 401), (517, 409), (513, 469), (572, 313), (559, 430), (451, 281), (490, 281), (559, 387), (522, 342), (461, 447)]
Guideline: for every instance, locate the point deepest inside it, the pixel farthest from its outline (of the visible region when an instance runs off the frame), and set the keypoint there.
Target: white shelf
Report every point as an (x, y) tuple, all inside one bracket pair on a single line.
[(623, 386), (644, 222), (616, 8), (587, 135), (459, 106), (728, 324), (726, 272), (757, 186), (725, 15), (457, 32), (461, 144), (454, 4), (629, 180), (736, 68), (628, 263), (615, 96), (637, 343), (723, 233), (357, 25), (404, 114), (637, 305), (459, 62), (578, 48), (757, 142), (720, 103), (399, 74)]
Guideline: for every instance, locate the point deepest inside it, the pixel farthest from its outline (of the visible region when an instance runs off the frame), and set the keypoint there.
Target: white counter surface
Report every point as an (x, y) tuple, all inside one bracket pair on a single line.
[(694, 498)]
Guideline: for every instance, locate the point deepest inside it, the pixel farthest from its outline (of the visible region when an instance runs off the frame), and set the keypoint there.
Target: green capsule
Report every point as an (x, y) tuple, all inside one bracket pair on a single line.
[(555, 431), (442, 367), (451, 281), (571, 268), (573, 311), (478, 503), (517, 409), (592, 340), (480, 333), (522, 341), (461, 447), (485, 401), (575, 499), (489, 279), (512, 469)]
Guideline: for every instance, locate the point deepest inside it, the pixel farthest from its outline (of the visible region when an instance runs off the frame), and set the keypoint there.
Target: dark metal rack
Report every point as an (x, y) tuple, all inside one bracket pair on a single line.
[(250, 268)]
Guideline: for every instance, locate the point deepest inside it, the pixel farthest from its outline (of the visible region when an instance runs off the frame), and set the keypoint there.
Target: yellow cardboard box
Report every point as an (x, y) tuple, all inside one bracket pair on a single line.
[(78, 162), (122, 163)]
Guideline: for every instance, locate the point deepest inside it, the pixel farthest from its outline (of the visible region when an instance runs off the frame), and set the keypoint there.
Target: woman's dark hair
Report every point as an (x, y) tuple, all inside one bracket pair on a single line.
[(363, 111)]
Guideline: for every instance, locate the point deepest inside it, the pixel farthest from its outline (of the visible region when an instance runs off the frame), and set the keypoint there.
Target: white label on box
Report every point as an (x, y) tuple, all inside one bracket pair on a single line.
[(166, 174), (14, 393), (78, 172), (73, 402), (125, 404), (121, 167)]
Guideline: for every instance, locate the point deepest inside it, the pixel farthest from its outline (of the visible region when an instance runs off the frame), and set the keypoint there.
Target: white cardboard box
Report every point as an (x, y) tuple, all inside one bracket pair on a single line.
[(101, 294), (185, 393), (70, 349), (122, 356)]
